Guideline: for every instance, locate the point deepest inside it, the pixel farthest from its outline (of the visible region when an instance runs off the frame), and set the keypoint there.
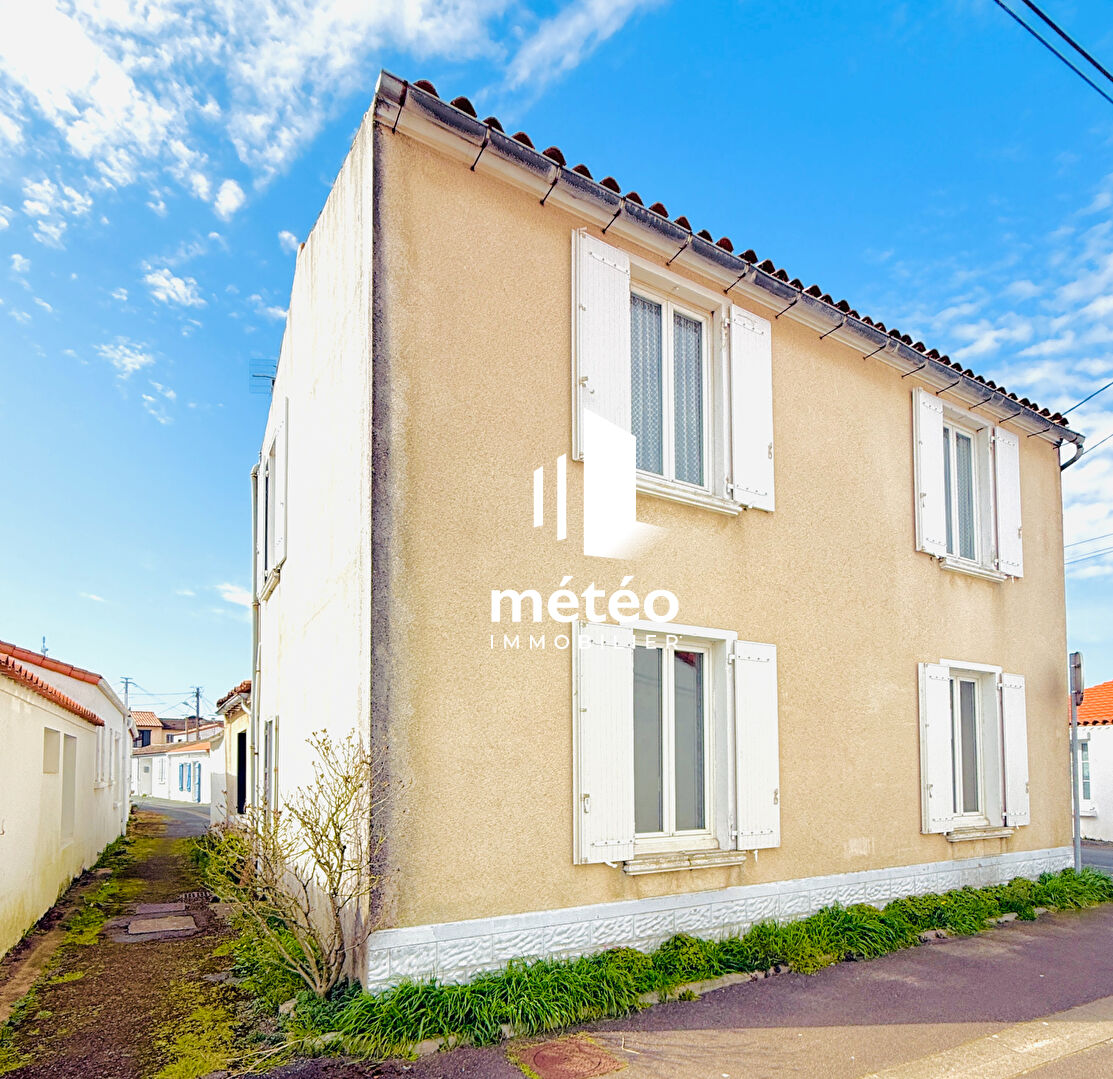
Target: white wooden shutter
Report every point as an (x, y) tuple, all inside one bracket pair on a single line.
[(936, 760), (751, 410), (260, 526), (601, 329), (1010, 552), (757, 774), (1014, 723), (604, 728), (279, 487), (931, 508)]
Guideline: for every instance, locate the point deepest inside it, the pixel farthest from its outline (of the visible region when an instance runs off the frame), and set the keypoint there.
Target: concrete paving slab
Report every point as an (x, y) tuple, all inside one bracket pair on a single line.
[(167, 924)]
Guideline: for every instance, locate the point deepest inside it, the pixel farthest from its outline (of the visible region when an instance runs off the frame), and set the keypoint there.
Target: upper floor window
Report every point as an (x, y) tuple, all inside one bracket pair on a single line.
[(270, 509), (668, 380), (684, 371), (967, 475)]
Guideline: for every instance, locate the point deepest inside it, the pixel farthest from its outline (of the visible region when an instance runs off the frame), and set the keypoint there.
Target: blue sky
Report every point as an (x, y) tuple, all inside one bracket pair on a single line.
[(160, 159)]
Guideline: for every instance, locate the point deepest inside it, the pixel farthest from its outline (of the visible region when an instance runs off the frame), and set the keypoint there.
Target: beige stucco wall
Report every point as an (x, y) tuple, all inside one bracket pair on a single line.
[(474, 277), (36, 864)]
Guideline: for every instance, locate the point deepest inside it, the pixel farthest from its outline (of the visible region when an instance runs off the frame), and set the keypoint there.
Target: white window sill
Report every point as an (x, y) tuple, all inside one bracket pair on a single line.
[(967, 835), (1088, 809), (671, 863), (974, 569), (270, 581), (690, 496)]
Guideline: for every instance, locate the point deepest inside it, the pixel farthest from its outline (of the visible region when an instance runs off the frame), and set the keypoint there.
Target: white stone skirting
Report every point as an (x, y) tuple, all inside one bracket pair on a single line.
[(457, 951)]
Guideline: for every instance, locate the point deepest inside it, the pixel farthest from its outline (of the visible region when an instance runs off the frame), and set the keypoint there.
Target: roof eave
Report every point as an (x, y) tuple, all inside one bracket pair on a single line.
[(405, 107)]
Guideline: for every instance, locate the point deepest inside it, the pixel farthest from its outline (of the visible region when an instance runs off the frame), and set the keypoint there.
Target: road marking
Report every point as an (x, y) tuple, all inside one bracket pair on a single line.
[(1015, 1050)]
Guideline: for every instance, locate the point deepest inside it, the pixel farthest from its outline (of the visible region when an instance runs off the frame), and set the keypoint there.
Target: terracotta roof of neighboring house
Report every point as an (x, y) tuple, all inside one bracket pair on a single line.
[(461, 114), (182, 747), (242, 690), (18, 673), (25, 655), (148, 751), (1096, 709), (144, 720)]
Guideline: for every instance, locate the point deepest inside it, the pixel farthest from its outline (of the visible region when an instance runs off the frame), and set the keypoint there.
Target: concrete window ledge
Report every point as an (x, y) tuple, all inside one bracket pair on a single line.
[(965, 835), (670, 863)]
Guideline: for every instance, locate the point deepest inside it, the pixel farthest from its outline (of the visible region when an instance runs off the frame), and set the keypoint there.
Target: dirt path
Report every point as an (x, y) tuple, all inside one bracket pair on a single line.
[(115, 1005)]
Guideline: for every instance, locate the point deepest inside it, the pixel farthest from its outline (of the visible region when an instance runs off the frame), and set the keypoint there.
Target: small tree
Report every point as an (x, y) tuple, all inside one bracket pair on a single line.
[(301, 875)]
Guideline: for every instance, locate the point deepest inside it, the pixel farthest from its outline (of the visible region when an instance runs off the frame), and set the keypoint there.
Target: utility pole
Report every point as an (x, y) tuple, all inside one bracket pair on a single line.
[(128, 683), (196, 713), (1077, 685)]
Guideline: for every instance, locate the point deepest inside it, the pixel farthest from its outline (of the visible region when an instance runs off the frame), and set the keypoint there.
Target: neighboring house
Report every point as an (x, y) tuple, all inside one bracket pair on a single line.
[(184, 768), (63, 778), (485, 352), (1095, 764), (230, 788), (154, 731)]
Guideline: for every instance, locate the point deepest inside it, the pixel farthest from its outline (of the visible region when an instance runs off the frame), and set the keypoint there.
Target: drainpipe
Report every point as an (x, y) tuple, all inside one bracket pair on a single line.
[(1078, 451), (253, 720)]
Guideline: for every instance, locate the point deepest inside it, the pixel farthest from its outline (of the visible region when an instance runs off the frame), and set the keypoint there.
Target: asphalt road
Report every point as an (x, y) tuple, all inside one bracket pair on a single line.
[(183, 818), (1098, 854)]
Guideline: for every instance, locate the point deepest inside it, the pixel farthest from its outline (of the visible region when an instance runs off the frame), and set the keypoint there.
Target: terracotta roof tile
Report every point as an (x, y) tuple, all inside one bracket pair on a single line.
[(1096, 709), (25, 655), (146, 720), (183, 747), (767, 266), (242, 689), (11, 668)]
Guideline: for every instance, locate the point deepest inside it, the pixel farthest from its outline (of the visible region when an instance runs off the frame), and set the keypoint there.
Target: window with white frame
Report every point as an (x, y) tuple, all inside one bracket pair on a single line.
[(676, 746), (973, 748), (270, 510), (967, 474), (1084, 764), (680, 369)]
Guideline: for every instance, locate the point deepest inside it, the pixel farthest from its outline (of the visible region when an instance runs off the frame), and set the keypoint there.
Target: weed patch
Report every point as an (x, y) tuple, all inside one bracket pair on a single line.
[(202, 1041)]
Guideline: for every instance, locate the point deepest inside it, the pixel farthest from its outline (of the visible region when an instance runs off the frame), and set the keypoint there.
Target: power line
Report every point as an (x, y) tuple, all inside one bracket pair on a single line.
[(1085, 399), (1047, 45), (1090, 449), (1078, 543), (1068, 39), (1092, 554)]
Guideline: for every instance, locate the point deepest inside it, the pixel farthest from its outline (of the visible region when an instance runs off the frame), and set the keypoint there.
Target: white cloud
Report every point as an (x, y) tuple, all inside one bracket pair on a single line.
[(155, 408), (20, 264), (234, 593), (126, 356), (564, 41), (229, 199), (5, 217), (166, 288), (165, 391), (120, 294), (44, 305), (265, 309), (185, 592), (288, 241), (20, 316), (50, 204), (91, 595)]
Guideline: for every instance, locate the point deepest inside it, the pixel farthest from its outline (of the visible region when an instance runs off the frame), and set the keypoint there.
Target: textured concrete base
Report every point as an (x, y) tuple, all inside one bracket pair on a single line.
[(457, 951), (160, 908)]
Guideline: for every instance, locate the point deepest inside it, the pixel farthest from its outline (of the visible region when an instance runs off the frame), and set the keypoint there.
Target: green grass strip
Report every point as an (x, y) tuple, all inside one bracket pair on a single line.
[(538, 996)]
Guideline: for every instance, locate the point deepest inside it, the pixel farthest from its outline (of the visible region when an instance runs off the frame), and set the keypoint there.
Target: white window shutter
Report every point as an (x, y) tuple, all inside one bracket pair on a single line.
[(751, 410), (604, 727), (931, 508), (279, 488), (601, 334), (936, 759), (757, 746), (1010, 552), (260, 527), (1014, 722)]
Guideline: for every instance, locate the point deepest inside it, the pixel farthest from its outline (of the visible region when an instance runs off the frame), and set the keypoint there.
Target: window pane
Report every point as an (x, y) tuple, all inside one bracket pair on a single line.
[(1084, 750), (648, 741), (947, 490), (645, 382), (964, 482), (689, 749), (688, 372), (968, 735)]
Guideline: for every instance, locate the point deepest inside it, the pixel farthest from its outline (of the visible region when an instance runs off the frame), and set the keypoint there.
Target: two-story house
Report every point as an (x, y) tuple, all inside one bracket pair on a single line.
[(811, 648)]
